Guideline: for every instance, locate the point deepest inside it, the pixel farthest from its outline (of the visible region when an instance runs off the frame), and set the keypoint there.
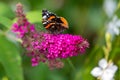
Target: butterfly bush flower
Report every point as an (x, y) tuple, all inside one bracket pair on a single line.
[(105, 70), (60, 46), (51, 47), (63, 45), (46, 47), (22, 26)]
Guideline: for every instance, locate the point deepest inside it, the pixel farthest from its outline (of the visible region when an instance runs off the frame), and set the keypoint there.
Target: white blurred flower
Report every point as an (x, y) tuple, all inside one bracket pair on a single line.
[(110, 7), (113, 26), (105, 71)]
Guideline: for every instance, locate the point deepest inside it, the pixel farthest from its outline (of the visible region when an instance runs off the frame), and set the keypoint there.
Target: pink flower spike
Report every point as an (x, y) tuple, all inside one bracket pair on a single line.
[(63, 45)]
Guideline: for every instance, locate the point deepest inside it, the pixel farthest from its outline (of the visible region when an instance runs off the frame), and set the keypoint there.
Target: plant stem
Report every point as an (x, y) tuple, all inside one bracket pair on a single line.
[(71, 64)]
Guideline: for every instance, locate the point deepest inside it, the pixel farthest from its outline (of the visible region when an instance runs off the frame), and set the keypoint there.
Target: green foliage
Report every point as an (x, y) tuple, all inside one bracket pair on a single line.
[(6, 22), (6, 11), (85, 17), (10, 59), (34, 16)]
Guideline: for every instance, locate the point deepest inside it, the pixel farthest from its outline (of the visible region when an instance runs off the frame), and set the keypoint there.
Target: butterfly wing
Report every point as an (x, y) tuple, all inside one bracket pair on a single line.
[(53, 23)]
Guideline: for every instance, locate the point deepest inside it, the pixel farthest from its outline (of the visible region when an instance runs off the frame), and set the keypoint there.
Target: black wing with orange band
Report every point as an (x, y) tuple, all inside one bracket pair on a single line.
[(53, 23)]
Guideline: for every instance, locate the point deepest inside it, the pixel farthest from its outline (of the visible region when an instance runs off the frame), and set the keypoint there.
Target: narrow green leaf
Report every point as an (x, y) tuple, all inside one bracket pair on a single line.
[(10, 59), (5, 22), (34, 16)]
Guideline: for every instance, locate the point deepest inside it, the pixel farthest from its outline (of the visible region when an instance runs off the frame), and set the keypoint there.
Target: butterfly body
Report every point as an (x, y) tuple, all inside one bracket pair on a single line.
[(53, 23)]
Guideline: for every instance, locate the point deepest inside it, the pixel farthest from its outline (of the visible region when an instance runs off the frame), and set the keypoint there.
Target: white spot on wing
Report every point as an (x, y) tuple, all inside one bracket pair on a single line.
[(44, 22), (44, 17), (47, 14)]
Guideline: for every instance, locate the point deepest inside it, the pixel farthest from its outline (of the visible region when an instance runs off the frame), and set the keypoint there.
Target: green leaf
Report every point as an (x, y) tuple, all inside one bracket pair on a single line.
[(5, 22), (34, 16), (10, 59), (5, 10)]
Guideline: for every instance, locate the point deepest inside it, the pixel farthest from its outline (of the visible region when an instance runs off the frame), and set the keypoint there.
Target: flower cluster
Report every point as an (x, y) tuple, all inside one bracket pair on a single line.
[(63, 45), (22, 30), (46, 47), (105, 71), (22, 26)]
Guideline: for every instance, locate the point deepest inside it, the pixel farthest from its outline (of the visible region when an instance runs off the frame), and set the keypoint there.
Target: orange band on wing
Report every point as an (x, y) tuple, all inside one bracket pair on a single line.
[(51, 17), (65, 26), (49, 25), (65, 23)]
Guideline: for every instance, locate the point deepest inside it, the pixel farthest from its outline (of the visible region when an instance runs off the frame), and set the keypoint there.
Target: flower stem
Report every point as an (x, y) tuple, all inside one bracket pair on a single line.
[(71, 64), (108, 46)]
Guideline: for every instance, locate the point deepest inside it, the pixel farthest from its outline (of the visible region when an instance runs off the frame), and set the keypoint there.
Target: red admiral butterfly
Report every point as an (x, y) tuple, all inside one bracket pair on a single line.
[(53, 23)]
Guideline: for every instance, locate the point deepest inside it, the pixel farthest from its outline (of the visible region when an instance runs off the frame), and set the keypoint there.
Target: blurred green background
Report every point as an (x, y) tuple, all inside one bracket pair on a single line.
[(85, 17)]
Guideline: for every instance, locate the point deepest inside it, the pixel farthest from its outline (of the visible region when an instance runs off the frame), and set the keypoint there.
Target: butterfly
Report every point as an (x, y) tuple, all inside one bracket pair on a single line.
[(53, 23)]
